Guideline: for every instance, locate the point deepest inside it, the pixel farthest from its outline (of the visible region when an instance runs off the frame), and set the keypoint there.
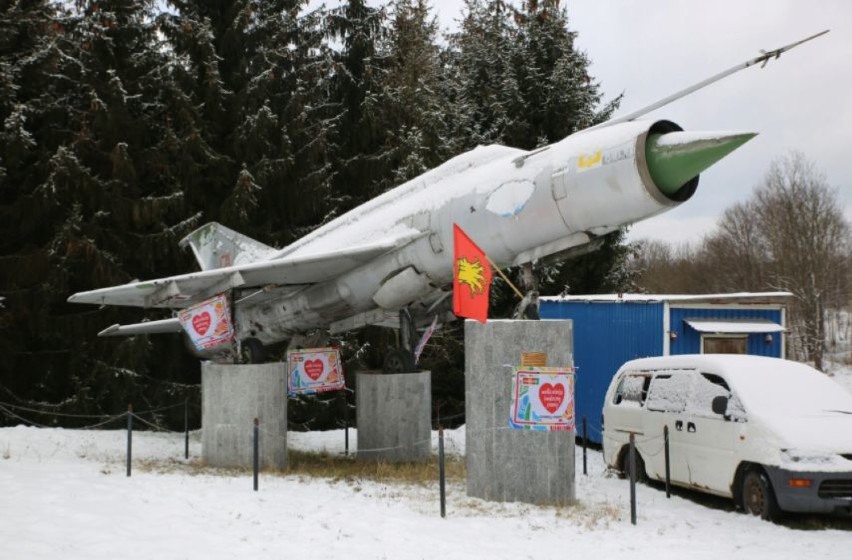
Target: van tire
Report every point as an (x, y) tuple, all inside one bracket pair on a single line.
[(756, 495), (641, 474)]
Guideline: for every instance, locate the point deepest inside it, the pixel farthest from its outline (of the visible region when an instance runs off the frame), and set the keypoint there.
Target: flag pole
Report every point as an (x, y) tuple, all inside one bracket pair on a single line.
[(503, 276)]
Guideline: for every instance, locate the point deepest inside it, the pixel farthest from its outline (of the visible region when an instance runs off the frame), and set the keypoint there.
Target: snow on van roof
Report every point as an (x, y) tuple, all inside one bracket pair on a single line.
[(653, 298), (770, 385)]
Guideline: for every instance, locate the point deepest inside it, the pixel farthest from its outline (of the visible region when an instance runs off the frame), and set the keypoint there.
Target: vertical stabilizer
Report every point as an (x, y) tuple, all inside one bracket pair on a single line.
[(216, 246)]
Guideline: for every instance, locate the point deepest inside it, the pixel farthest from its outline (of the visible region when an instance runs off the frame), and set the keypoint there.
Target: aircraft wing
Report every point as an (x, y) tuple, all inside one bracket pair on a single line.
[(147, 327), (186, 289)]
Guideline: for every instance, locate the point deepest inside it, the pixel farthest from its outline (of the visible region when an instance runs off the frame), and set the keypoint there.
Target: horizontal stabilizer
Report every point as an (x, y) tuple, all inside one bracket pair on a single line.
[(178, 292), (148, 327)]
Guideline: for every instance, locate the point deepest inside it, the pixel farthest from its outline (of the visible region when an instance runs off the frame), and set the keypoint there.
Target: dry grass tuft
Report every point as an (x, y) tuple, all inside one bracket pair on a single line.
[(340, 468), (325, 465), (590, 516)]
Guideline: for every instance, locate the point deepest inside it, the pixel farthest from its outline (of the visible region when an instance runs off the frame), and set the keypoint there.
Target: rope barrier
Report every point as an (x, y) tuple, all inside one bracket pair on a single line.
[(153, 425), (360, 450), (105, 418), (13, 415), (162, 408), (595, 430), (98, 425), (181, 386), (91, 416), (60, 414), (36, 424), (452, 417)]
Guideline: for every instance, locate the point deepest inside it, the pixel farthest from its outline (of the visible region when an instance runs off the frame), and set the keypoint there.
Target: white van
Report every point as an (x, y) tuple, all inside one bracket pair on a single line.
[(772, 434)]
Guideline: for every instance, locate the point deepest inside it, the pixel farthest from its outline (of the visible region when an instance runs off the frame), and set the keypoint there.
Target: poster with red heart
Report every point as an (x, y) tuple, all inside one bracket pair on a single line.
[(208, 323), (314, 370), (542, 399)]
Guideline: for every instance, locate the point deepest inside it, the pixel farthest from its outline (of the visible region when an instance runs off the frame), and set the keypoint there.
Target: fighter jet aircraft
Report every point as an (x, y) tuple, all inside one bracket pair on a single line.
[(390, 261)]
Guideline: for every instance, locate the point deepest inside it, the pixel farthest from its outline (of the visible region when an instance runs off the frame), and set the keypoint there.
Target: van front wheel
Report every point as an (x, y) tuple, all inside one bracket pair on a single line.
[(757, 495)]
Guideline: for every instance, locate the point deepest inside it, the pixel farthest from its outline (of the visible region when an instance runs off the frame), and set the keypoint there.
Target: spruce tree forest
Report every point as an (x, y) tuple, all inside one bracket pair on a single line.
[(127, 124)]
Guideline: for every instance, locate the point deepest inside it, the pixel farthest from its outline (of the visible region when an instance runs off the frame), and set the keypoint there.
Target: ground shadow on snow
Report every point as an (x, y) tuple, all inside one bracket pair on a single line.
[(801, 521)]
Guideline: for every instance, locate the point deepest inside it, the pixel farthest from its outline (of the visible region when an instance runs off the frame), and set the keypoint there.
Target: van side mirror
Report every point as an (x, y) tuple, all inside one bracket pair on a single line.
[(719, 405)]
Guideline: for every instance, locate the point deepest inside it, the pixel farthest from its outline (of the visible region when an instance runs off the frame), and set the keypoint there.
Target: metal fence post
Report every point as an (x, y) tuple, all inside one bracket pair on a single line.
[(668, 462), (633, 479), (256, 454), (345, 424), (585, 441), (129, 436), (186, 428), (442, 472)]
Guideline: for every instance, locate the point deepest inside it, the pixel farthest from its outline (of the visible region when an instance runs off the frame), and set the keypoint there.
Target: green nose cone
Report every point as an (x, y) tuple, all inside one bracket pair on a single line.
[(676, 157)]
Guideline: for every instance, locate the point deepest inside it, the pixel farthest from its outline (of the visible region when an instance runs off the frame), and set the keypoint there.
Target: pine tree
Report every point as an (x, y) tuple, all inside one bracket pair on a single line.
[(260, 72), (558, 95), (25, 57), (358, 100), (414, 114), (113, 144), (520, 80), (482, 77)]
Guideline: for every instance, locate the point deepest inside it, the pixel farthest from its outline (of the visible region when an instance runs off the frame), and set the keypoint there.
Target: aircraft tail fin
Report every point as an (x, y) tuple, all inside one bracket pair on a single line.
[(216, 246)]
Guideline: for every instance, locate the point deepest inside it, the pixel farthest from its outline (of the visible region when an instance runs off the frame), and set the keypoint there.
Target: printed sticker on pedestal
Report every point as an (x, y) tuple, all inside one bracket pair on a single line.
[(542, 399), (313, 370)]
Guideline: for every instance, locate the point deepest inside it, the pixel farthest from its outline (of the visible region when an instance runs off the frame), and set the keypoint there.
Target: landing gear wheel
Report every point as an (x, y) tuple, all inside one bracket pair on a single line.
[(641, 475), (757, 495), (398, 361), (251, 351)]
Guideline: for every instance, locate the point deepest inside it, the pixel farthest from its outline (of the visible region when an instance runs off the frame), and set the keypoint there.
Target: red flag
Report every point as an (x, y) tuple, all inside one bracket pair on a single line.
[(471, 278)]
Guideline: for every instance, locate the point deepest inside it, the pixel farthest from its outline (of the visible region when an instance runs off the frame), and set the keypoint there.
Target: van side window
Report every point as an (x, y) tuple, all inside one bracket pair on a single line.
[(668, 392), (632, 389), (709, 386)]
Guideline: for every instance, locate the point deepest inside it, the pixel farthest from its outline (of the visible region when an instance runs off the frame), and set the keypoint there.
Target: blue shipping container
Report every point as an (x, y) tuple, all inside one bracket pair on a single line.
[(610, 330)]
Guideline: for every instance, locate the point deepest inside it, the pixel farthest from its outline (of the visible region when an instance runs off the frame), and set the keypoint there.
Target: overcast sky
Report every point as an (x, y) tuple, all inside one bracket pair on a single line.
[(648, 49)]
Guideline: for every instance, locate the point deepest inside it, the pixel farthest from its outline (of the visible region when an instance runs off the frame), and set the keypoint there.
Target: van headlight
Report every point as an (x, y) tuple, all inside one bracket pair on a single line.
[(801, 457)]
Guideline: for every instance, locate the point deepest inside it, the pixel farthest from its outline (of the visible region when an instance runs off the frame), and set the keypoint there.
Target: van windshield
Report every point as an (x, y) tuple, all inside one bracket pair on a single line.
[(788, 389)]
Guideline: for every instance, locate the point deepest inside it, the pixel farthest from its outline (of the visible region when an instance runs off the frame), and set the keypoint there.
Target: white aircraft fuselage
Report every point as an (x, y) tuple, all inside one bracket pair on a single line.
[(518, 206)]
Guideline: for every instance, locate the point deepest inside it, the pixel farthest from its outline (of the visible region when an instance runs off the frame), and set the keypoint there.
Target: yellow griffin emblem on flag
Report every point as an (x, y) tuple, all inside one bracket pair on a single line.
[(472, 274)]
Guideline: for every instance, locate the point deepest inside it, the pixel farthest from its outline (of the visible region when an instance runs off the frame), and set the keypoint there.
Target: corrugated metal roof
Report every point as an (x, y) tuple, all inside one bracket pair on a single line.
[(648, 298)]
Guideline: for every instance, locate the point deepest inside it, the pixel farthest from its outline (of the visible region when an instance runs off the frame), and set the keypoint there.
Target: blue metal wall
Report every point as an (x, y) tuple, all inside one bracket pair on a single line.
[(689, 340), (605, 336)]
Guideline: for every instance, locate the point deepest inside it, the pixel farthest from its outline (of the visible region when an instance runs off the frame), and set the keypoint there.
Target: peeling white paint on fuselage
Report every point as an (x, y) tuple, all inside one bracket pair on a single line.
[(509, 199)]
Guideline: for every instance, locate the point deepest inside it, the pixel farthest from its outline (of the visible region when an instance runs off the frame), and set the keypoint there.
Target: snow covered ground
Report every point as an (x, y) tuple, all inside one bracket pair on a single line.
[(65, 494)]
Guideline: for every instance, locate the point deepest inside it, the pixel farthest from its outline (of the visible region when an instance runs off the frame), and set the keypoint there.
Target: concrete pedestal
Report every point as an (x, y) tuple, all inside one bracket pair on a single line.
[(506, 465), (232, 396), (394, 416)]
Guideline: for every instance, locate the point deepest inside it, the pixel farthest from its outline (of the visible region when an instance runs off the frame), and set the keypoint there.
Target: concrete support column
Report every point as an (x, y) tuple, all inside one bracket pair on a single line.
[(506, 465), (394, 413), (232, 396)]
